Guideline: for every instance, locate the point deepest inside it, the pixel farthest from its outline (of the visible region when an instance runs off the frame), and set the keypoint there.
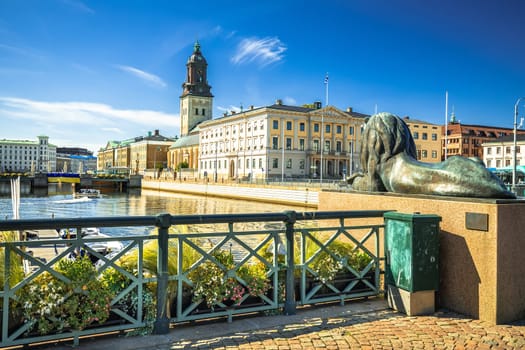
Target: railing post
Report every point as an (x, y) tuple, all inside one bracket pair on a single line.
[(162, 323), (289, 304)]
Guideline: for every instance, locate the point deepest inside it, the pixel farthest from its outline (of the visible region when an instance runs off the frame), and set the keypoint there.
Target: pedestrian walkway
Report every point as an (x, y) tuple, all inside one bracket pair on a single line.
[(368, 324)]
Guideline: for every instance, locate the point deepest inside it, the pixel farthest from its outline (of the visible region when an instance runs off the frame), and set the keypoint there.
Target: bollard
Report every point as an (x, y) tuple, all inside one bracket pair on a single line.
[(162, 323), (289, 304)]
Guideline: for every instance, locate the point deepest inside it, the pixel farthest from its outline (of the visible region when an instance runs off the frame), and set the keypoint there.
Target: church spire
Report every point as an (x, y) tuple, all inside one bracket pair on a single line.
[(196, 78)]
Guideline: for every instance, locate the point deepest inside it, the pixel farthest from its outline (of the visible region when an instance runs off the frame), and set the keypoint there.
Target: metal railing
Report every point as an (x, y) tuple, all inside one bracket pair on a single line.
[(288, 246)]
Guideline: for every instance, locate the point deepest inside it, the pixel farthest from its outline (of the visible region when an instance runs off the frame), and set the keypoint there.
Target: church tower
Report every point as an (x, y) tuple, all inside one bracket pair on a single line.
[(196, 101)]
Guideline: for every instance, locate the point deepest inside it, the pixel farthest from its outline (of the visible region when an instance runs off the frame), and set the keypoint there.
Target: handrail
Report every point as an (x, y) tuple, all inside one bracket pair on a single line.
[(164, 221), (116, 221)]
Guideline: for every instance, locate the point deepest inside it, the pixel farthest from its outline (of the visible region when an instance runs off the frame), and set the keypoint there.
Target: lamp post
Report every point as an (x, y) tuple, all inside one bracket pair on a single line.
[(515, 144), (157, 149)]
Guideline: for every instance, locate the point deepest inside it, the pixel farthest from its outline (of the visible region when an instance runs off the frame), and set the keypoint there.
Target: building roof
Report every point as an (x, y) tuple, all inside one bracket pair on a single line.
[(507, 138), (186, 141), (407, 120)]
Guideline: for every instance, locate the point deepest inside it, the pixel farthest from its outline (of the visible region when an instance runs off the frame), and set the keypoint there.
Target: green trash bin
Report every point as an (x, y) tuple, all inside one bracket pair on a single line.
[(412, 251)]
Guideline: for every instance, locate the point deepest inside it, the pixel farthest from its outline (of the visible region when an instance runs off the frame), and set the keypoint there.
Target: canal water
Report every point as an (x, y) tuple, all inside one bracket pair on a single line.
[(58, 202)]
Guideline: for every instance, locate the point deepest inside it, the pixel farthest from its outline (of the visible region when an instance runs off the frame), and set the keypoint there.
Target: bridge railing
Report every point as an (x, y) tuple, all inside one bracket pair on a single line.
[(190, 267)]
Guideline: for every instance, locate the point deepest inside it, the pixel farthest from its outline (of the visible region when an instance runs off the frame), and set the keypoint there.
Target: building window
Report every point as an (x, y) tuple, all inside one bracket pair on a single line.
[(424, 136), (489, 150), (288, 126), (301, 164), (275, 124), (196, 111), (203, 111), (498, 163), (301, 144), (415, 135), (327, 146), (260, 163), (507, 150), (434, 154), (434, 137), (351, 130), (275, 142), (338, 129), (275, 163), (289, 163), (315, 145), (327, 128), (288, 143), (316, 127), (301, 126), (338, 146), (498, 150), (424, 153), (507, 162), (247, 163)]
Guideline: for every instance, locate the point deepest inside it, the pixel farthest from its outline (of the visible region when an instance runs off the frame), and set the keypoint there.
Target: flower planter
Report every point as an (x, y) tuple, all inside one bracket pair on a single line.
[(203, 308), (341, 281)]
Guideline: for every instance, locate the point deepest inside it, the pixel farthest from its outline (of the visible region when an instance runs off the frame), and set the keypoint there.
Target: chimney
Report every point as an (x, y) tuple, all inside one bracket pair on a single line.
[(156, 132), (279, 102), (318, 104), (149, 133), (349, 109), (251, 107)]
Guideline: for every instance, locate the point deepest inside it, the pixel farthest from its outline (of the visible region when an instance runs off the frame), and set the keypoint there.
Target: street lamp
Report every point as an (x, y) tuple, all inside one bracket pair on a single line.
[(515, 143), (157, 149)]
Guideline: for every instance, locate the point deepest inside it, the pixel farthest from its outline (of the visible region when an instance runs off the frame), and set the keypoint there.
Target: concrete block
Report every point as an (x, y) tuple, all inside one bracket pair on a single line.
[(411, 303)]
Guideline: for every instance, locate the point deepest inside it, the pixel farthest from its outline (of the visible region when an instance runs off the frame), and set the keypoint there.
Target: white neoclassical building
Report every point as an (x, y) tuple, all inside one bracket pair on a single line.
[(280, 141), (27, 155)]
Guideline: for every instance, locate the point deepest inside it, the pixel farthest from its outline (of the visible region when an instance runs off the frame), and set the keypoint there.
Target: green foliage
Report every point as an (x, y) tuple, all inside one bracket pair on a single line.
[(115, 282), (50, 304), (16, 271), (215, 284), (183, 165), (325, 266)]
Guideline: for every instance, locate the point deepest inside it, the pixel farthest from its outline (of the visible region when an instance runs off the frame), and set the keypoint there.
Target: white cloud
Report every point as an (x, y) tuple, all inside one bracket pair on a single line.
[(263, 51), (290, 101), (82, 124), (148, 77), (229, 109)]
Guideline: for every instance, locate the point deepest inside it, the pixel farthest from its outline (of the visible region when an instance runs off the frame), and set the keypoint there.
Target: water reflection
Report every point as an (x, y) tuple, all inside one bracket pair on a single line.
[(57, 203)]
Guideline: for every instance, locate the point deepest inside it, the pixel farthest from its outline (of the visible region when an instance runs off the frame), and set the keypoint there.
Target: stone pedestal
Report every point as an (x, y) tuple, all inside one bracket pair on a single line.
[(411, 303), (481, 255)]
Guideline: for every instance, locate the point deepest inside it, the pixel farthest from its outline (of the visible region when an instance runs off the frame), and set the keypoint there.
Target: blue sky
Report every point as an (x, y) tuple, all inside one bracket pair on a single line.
[(86, 72)]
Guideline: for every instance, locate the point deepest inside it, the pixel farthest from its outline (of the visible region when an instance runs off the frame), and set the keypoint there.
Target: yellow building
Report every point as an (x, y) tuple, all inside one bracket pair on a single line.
[(135, 155), (427, 137)]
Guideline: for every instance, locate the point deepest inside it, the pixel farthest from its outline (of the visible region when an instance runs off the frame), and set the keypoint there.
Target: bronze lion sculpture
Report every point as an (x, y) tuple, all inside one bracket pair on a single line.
[(389, 163)]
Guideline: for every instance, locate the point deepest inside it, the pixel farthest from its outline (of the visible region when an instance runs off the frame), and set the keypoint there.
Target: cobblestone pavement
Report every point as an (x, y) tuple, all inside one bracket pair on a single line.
[(382, 330), (365, 326)]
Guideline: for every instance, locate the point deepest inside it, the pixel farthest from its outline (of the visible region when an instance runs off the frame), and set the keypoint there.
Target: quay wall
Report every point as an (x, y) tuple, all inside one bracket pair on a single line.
[(279, 194), (481, 261)]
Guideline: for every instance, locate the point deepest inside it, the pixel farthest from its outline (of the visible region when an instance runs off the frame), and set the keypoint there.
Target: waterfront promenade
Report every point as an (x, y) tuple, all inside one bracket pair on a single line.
[(368, 324)]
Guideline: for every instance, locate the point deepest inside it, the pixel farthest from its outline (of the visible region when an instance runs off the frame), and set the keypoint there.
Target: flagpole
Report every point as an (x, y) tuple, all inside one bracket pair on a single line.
[(322, 129), (446, 125)]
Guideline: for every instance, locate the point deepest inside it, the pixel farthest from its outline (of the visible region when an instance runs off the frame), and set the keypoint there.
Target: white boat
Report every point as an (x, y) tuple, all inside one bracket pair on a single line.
[(87, 193)]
